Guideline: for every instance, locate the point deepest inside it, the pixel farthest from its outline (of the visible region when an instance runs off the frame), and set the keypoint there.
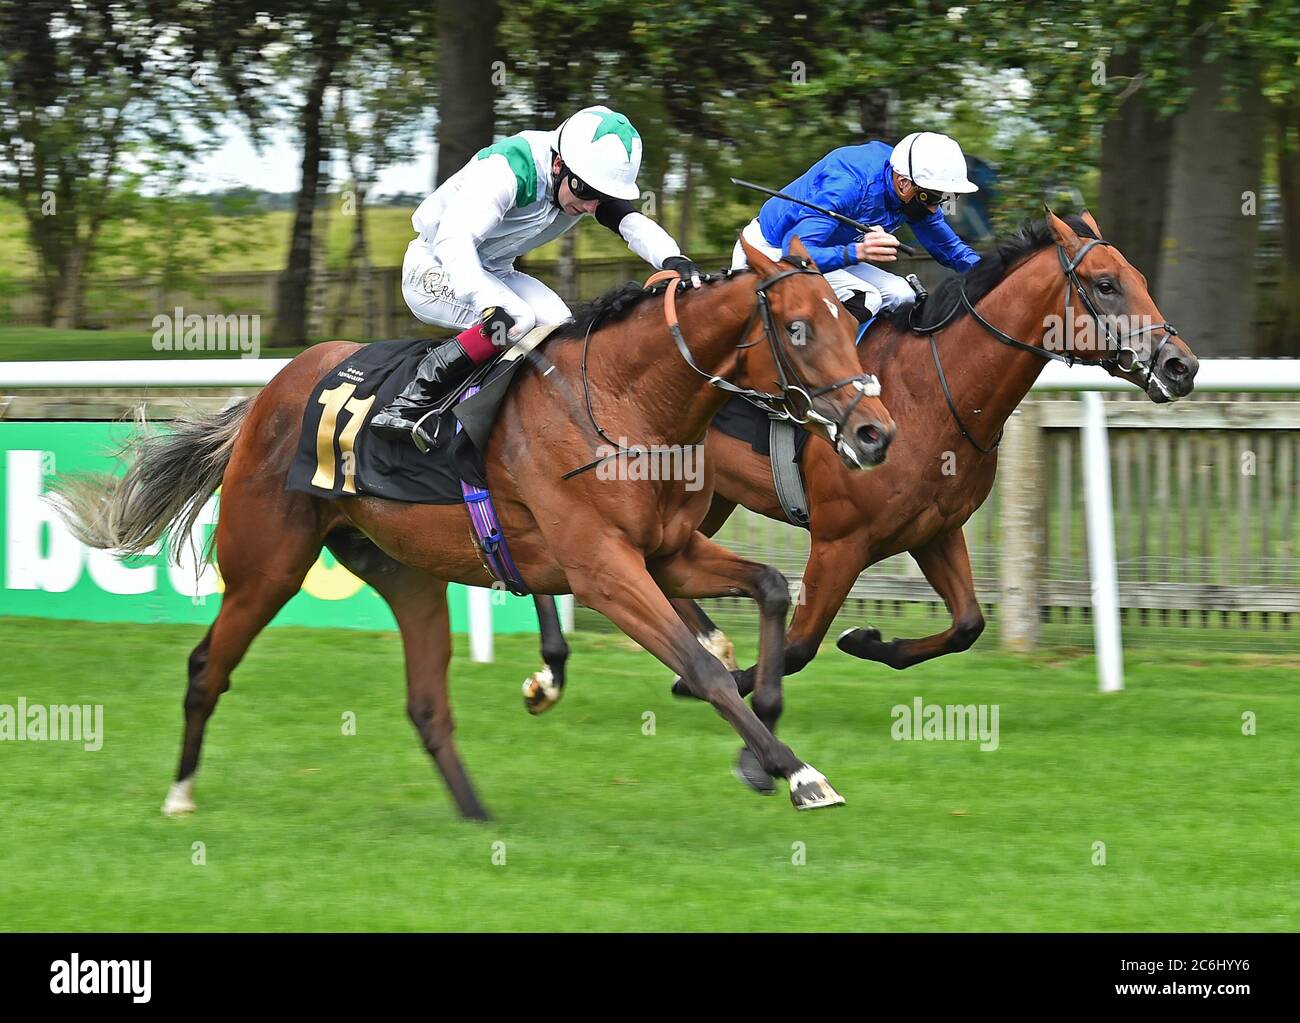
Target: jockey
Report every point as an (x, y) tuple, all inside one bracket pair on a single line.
[(514, 196), (878, 186)]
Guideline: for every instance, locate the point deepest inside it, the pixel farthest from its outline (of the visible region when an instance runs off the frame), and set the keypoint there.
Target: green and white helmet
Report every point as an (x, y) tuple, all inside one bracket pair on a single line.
[(603, 150)]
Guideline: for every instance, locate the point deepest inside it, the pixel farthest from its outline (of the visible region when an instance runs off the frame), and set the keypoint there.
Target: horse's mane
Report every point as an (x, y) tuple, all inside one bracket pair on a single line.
[(987, 274), (619, 302)]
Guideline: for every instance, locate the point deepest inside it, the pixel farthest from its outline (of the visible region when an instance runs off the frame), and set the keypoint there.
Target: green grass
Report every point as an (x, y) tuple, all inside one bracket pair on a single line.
[(606, 828)]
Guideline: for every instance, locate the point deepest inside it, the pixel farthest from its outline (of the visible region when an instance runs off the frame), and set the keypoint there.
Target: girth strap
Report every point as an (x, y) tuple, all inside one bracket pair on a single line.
[(786, 476)]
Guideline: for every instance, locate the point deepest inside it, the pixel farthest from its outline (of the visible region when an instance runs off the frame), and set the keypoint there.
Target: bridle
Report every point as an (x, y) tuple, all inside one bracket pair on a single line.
[(1120, 345), (794, 403)]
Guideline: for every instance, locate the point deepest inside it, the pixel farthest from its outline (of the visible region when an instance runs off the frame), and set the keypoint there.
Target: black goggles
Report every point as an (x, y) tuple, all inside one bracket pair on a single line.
[(582, 190), (932, 198)]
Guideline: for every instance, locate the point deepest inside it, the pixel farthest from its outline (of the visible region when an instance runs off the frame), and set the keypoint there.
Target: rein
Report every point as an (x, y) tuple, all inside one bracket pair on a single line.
[(778, 406), (1073, 284)]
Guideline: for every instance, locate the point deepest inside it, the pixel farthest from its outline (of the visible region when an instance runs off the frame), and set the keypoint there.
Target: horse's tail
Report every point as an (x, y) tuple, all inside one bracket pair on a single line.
[(169, 479)]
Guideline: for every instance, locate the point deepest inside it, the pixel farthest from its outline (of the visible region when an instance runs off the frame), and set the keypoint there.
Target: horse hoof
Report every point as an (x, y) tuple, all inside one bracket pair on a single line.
[(680, 688), (751, 772), (540, 692), (809, 790), (180, 799), (851, 641)]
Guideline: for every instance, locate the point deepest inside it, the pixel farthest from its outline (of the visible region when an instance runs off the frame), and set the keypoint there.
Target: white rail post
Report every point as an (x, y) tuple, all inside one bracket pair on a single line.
[(1101, 545), (565, 603), (480, 623)]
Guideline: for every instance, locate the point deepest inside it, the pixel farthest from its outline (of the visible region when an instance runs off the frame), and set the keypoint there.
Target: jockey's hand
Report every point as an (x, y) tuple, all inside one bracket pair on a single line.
[(877, 247), (502, 328), (686, 267)]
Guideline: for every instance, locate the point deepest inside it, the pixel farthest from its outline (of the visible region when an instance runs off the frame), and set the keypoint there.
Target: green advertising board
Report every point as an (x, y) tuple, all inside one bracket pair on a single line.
[(48, 573)]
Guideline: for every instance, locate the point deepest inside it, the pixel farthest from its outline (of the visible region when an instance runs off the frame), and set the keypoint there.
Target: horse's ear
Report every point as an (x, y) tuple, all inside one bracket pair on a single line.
[(1086, 217), (1064, 234), (758, 262), (800, 251)]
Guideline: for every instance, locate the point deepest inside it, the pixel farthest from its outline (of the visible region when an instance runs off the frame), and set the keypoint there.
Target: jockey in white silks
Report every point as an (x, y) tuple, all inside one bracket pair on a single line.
[(514, 196), (877, 185)]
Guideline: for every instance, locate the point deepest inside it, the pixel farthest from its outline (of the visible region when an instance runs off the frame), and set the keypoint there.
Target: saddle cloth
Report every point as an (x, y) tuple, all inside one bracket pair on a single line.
[(338, 456)]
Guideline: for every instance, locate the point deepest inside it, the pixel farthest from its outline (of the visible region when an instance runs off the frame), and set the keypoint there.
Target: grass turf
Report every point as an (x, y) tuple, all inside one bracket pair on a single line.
[(603, 827)]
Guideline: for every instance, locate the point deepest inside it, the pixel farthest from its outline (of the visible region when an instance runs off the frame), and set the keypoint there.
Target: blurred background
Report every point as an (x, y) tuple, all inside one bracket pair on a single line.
[(265, 159)]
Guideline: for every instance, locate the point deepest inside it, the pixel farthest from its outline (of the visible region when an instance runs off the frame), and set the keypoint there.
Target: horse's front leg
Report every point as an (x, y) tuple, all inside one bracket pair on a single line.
[(544, 687), (706, 569), (612, 578), (946, 564), (830, 573)]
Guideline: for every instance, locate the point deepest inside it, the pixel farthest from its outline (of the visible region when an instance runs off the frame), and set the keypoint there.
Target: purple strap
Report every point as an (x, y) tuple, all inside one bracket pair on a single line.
[(487, 529)]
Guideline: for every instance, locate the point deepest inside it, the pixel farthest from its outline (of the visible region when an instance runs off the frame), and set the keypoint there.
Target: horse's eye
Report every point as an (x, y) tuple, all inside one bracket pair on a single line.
[(798, 330), (1105, 286)]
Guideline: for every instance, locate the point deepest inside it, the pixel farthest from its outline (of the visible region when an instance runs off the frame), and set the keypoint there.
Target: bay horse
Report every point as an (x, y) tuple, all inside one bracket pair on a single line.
[(623, 546), (951, 380)]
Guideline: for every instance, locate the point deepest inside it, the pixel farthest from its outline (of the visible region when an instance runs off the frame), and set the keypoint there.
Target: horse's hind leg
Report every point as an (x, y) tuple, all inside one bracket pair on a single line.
[(543, 688), (945, 563), (262, 568), (419, 603)]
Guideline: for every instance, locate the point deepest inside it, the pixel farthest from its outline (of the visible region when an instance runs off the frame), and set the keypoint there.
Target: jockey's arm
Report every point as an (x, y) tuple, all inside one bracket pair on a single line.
[(481, 205), (943, 244), (643, 236), (815, 232)]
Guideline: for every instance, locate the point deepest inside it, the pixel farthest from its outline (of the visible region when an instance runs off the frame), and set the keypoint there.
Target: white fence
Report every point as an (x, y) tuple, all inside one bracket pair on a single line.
[(1221, 375)]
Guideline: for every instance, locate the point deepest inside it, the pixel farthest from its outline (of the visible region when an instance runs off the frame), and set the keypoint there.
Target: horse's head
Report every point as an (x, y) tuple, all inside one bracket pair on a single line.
[(810, 355), (1108, 296)]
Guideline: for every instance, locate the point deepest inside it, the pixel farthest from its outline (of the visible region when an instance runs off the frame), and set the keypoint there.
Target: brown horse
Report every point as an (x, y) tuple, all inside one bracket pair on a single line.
[(951, 401), (623, 546)]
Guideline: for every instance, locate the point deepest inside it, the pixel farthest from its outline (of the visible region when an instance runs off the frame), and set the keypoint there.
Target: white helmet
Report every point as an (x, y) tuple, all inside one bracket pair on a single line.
[(603, 149), (933, 161)]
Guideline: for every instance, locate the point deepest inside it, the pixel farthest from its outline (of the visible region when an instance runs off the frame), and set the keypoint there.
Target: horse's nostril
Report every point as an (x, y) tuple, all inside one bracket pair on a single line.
[(871, 436), (1175, 367)]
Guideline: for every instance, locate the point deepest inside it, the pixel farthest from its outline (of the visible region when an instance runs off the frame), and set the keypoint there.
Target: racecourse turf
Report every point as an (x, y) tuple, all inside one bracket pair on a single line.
[(603, 827)]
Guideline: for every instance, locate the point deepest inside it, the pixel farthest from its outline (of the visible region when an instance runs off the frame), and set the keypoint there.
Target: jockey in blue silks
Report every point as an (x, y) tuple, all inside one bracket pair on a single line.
[(874, 185)]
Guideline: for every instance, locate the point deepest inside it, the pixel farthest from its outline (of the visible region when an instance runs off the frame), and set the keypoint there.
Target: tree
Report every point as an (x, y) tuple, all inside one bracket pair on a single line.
[(85, 91), (467, 36)]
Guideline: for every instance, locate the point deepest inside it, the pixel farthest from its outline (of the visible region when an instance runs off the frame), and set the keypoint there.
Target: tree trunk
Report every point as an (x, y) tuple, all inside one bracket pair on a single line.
[(318, 287), (1284, 336), (684, 213), (291, 296), (67, 310), (1207, 266), (1135, 144), (467, 34), (569, 266)]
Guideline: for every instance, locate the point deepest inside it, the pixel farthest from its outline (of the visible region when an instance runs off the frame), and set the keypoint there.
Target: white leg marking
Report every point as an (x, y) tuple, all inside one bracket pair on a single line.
[(180, 798)]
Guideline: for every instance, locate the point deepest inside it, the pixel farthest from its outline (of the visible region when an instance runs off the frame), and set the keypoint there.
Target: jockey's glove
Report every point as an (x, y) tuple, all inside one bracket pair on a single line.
[(684, 266), (500, 326)]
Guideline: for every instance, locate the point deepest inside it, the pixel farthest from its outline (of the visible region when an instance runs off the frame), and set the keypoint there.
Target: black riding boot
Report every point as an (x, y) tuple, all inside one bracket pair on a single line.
[(438, 372)]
